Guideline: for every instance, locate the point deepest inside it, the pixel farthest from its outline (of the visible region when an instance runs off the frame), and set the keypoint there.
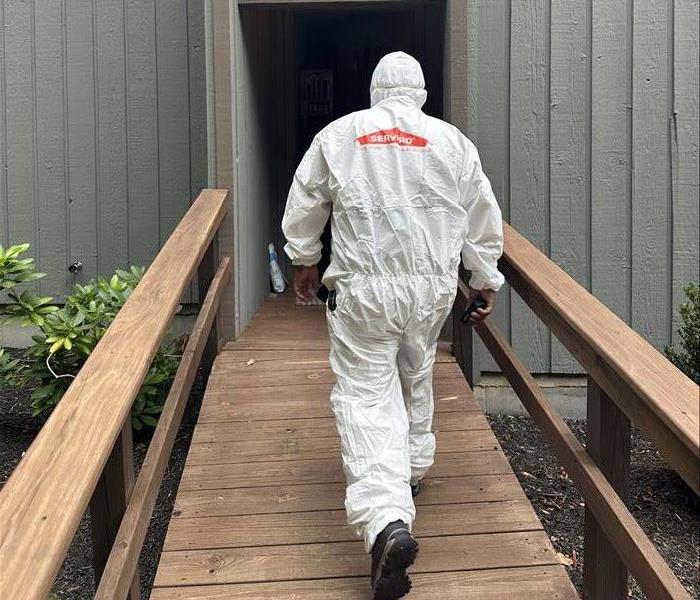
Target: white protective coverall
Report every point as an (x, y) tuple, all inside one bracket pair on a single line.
[(407, 194)]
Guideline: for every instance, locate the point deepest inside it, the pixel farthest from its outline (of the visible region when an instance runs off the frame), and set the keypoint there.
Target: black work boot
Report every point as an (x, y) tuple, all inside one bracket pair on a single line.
[(393, 552)]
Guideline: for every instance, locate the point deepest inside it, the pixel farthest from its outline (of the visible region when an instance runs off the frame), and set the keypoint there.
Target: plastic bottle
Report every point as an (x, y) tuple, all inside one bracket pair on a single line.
[(275, 271)]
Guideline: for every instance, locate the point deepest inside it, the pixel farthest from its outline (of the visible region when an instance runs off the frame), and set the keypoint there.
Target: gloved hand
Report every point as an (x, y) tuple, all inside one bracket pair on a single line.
[(306, 282), (488, 296)]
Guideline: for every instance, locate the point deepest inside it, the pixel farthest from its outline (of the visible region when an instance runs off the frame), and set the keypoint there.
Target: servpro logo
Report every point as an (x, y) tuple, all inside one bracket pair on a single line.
[(393, 136)]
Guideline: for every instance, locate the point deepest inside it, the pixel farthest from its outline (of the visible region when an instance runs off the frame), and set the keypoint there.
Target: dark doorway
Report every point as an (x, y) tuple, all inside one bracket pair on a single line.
[(337, 50)]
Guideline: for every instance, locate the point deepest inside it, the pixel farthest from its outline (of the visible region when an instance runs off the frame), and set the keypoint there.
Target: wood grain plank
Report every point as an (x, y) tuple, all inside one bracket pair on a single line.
[(331, 526), (235, 356), (347, 559), (524, 583), (202, 477), (266, 375), (301, 429), (290, 448), (328, 496), (308, 401)]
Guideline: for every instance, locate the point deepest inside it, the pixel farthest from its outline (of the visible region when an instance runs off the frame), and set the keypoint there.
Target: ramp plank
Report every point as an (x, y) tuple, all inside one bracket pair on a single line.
[(528, 583), (331, 525), (260, 509)]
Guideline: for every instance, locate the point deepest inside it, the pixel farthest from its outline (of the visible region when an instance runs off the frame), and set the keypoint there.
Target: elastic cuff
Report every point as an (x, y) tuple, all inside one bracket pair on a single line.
[(378, 525), (297, 259), (479, 281)]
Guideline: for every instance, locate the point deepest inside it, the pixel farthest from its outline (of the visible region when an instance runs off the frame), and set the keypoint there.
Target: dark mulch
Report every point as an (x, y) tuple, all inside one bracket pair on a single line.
[(664, 506), (75, 580)]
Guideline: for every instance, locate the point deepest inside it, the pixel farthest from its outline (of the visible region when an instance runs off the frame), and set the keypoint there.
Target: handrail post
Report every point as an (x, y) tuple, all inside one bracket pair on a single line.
[(462, 338), (608, 443), (205, 275), (109, 501)]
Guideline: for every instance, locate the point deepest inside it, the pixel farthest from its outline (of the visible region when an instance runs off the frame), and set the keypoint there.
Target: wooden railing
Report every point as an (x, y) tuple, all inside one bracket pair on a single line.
[(628, 381), (84, 455)]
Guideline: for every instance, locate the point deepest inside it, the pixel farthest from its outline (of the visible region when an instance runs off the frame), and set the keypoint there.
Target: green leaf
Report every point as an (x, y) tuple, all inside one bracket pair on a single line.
[(148, 420)]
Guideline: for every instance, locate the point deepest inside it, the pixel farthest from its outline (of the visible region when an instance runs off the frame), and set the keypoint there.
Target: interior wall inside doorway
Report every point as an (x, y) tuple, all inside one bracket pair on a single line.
[(296, 69)]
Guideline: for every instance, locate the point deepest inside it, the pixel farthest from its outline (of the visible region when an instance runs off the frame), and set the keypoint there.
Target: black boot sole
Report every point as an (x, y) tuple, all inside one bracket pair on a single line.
[(393, 581)]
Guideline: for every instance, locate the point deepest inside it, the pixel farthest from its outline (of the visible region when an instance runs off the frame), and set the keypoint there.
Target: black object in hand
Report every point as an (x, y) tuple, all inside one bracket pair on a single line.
[(473, 307)]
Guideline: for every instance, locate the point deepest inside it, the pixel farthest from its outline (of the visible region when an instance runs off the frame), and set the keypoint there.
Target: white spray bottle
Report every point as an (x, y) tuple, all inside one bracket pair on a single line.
[(275, 271)]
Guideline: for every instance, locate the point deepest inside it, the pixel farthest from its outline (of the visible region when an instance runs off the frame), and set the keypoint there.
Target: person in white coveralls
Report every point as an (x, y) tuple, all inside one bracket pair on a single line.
[(407, 196)]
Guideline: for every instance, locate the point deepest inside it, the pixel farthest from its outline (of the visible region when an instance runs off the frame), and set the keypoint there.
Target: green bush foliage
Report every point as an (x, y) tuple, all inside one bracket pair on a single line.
[(68, 334), (687, 358)]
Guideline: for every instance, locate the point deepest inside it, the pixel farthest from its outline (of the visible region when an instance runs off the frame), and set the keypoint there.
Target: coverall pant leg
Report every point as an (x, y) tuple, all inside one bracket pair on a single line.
[(372, 423), (416, 358)]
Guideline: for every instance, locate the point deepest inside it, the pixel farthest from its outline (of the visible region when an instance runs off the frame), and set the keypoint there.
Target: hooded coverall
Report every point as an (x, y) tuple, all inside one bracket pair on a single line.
[(406, 195)]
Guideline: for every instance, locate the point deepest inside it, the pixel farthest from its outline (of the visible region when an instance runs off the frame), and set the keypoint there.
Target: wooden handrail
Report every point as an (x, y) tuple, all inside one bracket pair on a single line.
[(644, 561), (44, 499), (629, 381), (123, 560), (648, 388)]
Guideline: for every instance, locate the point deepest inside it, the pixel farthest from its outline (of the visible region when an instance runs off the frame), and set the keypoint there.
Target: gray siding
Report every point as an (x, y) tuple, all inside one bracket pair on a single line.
[(102, 129), (585, 113)]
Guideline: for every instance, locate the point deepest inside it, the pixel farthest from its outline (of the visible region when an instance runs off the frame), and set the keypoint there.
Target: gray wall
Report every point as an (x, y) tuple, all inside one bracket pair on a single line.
[(585, 113), (102, 129)]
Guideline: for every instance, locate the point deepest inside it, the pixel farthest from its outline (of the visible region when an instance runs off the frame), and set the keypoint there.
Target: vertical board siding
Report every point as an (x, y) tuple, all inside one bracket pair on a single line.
[(142, 130), (651, 182), (611, 103), (599, 166), (488, 80), (102, 129), (529, 159), (112, 173), (50, 144), (81, 138), (685, 159), (173, 113), (20, 193), (569, 150), (3, 132)]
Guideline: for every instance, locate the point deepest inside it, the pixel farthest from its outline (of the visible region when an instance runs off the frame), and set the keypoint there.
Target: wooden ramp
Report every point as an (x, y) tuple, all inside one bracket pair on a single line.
[(259, 513)]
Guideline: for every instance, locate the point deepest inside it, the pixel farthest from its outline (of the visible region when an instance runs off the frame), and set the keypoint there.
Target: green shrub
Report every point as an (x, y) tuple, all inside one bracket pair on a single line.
[(68, 334), (687, 359)]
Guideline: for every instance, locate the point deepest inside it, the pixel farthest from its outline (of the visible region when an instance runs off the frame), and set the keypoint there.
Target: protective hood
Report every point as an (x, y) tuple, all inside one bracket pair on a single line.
[(398, 74)]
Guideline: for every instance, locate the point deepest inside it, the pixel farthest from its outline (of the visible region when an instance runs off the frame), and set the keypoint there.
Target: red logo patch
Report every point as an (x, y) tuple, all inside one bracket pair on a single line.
[(393, 136)]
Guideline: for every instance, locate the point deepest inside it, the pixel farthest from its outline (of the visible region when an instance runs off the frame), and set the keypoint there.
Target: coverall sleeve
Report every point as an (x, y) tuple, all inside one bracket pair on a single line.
[(308, 207), (484, 240)]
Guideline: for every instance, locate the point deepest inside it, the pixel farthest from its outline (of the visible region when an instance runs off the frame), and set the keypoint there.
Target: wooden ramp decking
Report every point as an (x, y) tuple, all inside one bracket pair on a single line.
[(259, 513)]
